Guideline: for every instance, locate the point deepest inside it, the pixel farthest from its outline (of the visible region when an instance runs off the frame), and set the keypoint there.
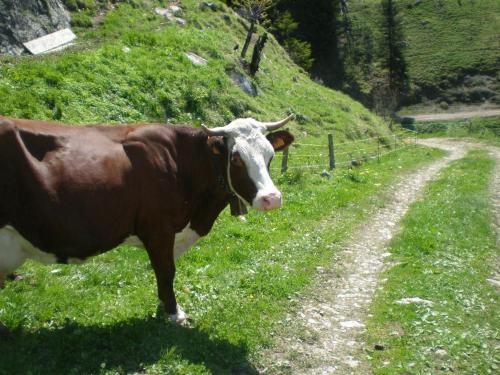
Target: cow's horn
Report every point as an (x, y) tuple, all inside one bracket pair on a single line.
[(270, 126), (213, 132)]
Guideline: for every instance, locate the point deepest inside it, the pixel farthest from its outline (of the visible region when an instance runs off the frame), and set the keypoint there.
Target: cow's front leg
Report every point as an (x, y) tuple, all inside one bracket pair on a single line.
[(161, 255)]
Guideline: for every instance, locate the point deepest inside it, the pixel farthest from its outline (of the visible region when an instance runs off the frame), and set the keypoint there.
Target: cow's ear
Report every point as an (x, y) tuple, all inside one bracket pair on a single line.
[(280, 139), (216, 145)]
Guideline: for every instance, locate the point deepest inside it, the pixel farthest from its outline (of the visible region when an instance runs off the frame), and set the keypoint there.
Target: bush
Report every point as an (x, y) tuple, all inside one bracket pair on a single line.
[(70, 4), (81, 19)]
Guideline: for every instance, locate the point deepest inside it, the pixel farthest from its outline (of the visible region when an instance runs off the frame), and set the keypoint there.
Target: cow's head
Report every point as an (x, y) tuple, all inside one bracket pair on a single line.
[(246, 148)]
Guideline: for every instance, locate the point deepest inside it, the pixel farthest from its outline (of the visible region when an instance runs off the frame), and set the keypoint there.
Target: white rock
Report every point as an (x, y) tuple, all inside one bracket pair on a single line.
[(195, 59), (410, 300), (51, 42), (351, 324), (174, 9), (441, 352)]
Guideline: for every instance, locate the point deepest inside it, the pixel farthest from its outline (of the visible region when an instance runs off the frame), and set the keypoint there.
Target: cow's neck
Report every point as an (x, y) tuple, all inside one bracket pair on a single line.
[(207, 187)]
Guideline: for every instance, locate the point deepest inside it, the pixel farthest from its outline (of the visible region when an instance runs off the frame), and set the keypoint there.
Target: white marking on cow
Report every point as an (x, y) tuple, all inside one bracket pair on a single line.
[(184, 240), (179, 317), (15, 249)]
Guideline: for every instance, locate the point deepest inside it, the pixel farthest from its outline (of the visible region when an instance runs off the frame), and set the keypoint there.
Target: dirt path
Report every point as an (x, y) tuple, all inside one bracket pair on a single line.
[(456, 115), (326, 335)]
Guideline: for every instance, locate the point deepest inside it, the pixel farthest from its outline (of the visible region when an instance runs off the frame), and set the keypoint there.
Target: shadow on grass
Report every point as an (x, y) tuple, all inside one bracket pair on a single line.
[(124, 347)]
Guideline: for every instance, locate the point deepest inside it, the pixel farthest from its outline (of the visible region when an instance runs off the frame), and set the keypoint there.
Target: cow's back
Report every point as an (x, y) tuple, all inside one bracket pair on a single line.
[(67, 189)]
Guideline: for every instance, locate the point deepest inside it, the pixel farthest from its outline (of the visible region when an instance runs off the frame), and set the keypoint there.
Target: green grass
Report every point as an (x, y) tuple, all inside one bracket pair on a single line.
[(482, 129), (445, 39), (96, 81), (237, 284), (444, 254)]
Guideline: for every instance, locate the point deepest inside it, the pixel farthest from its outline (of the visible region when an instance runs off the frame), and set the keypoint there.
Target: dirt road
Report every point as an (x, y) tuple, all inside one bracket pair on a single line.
[(456, 115), (326, 335)]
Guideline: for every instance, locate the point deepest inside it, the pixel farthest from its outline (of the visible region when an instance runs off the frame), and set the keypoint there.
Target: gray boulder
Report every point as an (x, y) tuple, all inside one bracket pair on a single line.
[(24, 20)]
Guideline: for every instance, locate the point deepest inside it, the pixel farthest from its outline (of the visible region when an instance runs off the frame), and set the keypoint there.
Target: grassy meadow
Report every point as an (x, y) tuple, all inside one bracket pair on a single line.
[(237, 284), (443, 255), (444, 39), (486, 130)]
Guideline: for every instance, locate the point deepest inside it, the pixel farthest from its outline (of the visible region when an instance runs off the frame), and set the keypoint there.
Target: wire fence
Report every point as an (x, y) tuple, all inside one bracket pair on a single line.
[(331, 155)]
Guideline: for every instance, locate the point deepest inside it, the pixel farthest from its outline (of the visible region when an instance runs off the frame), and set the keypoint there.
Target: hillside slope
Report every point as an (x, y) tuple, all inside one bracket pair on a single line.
[(132, 67), (452, 47)]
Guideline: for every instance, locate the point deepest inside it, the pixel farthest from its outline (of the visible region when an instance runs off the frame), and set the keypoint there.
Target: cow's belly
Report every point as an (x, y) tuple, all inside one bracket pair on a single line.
[(183, 241), (15, 249)]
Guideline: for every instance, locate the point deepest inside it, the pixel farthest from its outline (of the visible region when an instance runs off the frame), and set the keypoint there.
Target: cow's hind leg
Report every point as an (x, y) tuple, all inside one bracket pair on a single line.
[(161, 255)]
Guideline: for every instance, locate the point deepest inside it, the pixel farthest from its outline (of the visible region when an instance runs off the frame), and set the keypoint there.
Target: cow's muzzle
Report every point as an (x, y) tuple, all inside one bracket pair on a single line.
[(268, 202)]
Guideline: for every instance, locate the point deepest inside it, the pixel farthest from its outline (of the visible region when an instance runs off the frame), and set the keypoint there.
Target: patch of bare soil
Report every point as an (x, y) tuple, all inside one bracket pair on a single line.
[(456, 115), (325, 336)]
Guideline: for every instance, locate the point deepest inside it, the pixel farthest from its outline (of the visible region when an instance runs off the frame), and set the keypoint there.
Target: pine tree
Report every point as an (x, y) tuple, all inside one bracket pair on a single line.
[(393, 45)]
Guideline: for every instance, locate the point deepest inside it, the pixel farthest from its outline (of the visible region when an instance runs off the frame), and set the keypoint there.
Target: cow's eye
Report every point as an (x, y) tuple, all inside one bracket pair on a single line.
[(236, 159)]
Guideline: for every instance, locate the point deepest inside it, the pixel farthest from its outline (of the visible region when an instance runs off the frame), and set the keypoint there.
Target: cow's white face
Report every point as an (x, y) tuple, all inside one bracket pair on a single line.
[(249, 154)]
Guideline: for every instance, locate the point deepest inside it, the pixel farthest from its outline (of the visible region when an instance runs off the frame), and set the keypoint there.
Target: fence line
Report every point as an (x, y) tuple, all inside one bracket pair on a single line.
[(307, 144), (399, 143)]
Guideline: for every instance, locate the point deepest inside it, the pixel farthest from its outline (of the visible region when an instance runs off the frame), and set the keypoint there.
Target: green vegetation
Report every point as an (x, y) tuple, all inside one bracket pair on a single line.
[(386, 52), (98, 81), (236, 284), (443, 257), (484, 129), (445, 41), (449, 38)]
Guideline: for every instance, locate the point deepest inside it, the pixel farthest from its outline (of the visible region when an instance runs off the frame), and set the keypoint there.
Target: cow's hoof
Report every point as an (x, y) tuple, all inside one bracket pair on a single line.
[(178, 318)]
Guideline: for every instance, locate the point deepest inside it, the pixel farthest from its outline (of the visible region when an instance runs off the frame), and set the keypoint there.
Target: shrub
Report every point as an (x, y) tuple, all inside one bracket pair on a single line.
[(81, 19)]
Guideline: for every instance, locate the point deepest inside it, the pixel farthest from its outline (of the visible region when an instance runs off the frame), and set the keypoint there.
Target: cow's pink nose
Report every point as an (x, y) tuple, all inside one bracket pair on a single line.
[(271, 201)]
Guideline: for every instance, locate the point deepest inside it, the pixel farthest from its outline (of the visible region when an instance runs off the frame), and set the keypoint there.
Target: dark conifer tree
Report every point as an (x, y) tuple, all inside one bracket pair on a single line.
[(393, 45)]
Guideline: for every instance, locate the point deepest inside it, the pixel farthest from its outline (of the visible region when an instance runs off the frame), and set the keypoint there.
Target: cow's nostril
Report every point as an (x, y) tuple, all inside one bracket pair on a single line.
[(271, 201)]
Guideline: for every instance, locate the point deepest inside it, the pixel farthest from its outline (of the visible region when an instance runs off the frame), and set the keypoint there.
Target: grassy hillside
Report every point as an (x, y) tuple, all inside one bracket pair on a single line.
[(98, 81), (452, 46), (447, 38)]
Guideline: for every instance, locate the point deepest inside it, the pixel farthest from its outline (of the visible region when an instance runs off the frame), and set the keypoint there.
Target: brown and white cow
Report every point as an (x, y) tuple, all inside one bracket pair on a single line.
[(71, 192)]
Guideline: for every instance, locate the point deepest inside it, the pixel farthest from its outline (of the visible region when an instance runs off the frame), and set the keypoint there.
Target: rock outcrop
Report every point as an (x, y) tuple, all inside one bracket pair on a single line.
[(24, 20)]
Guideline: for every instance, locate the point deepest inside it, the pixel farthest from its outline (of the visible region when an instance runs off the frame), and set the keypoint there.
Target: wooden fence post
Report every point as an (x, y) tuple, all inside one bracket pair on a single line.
[(284, 161), (331, 151), (378, 149)]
